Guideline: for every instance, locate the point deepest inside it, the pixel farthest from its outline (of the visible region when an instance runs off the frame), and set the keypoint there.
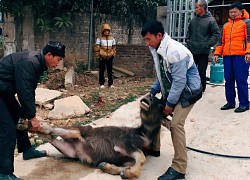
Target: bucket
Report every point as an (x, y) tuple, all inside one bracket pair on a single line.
[(217, 72)]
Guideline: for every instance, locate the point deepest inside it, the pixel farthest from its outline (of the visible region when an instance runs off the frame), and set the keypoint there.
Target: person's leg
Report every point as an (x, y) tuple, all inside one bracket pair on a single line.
[(202, 68), (7, 139), (179, 162), (229, 80), (241, 70), (110, 71), (23, 142), (101, 72)]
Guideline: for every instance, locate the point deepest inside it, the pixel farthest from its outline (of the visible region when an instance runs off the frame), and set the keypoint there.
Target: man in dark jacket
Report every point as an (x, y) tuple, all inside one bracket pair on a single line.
[(19, 74), (203, 33)]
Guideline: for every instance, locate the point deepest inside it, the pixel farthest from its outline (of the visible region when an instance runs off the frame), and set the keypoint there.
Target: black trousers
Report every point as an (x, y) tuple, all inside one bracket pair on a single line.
[(109, 64), (201, 61), (10, 112)]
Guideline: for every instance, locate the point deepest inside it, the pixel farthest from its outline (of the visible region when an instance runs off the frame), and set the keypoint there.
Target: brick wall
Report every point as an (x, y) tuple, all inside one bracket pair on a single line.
[(135, 58)]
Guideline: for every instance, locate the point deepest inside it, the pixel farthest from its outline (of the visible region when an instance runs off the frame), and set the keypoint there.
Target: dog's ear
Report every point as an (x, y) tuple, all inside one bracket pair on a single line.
[(144, 106)]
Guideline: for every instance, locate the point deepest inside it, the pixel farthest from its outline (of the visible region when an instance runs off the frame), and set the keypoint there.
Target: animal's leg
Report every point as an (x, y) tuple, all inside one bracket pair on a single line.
[(65, 133), (110, 168), (61, 145), (126, 172), (135, 170)]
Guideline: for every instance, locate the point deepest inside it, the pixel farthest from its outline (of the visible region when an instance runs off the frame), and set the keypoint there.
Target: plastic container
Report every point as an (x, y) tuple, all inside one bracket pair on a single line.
[(217, 72)]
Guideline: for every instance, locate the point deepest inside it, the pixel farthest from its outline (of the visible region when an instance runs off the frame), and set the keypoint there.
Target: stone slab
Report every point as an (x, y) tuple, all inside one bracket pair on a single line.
[(68, 107)]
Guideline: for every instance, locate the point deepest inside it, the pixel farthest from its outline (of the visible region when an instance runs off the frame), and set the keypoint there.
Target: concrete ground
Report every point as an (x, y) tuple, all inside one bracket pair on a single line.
[(208, 129)]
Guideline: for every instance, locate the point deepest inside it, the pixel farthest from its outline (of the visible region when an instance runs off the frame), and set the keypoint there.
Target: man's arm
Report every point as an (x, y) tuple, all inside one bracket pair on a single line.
[(215, 33), (26, 83), (178, 73)]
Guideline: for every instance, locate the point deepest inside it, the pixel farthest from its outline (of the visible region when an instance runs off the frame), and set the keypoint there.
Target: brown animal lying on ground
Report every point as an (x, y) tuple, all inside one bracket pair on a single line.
[(115, 150)]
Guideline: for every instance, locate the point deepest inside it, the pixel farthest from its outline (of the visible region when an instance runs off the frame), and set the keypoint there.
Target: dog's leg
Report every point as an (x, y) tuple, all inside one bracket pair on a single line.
[(125, 172), (111, 168), (61, 145), (135, 170), (65, 133)]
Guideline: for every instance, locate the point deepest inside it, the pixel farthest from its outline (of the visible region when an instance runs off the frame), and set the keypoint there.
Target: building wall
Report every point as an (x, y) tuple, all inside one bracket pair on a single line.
[(135, 58), (132, 53), (77, 38)]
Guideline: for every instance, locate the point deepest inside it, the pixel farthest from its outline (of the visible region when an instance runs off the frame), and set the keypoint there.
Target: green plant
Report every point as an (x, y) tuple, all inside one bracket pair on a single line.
[(81, 67), (63, 21), (82, 123), (44, 77), (44, 25), (131, 98)]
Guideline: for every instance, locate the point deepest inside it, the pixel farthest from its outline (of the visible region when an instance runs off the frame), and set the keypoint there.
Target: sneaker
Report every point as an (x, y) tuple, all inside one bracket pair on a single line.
[(111, 86), (8, 177), (102, 87), (32, 153)]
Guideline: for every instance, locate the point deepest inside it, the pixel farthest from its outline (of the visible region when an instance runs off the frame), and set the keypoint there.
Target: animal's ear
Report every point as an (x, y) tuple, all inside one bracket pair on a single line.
[(144, 106)]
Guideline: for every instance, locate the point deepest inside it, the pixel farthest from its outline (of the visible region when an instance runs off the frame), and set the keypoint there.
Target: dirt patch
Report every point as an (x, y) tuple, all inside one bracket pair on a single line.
[(102, 102)]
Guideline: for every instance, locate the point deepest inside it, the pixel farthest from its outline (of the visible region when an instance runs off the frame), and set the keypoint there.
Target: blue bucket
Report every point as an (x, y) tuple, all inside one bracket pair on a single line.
[(217, 72)]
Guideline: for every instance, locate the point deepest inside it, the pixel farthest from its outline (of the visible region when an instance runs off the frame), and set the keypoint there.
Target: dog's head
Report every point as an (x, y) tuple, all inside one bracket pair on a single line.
[(151, 110)]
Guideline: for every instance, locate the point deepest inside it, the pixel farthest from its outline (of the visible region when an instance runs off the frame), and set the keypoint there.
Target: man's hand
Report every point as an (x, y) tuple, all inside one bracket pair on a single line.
[(216, 57), (149, 94), (35, 124), (247, 58), (168, 110)]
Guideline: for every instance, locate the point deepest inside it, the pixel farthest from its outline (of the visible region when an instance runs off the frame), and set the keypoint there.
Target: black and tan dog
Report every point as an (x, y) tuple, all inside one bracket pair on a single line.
[(115, 150)]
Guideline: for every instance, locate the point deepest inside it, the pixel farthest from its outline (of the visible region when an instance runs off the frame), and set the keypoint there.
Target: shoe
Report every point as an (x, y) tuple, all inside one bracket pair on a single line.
[(32, 153), (227, 106), (102, 87), (154, 153), (241, 109), (111, 86), (8, 177), (171, 174)]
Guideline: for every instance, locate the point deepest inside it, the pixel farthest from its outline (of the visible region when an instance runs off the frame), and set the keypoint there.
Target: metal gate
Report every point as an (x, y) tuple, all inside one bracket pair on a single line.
[(179, 13)]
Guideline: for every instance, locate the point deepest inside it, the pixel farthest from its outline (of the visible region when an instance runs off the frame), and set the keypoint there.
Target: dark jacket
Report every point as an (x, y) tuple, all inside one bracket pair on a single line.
[(203, 33), (20, 73)]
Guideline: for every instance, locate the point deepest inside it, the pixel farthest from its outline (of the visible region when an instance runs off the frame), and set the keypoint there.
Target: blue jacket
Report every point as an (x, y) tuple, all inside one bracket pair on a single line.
[(180, 70)]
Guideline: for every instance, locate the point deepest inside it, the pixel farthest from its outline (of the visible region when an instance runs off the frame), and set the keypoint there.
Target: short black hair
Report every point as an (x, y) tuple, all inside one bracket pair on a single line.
[(237, 5), (153, 27)]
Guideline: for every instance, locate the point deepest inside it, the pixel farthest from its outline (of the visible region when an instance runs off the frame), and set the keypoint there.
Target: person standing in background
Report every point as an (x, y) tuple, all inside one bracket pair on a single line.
[(105, 51), (234, 46), (203, 33)]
